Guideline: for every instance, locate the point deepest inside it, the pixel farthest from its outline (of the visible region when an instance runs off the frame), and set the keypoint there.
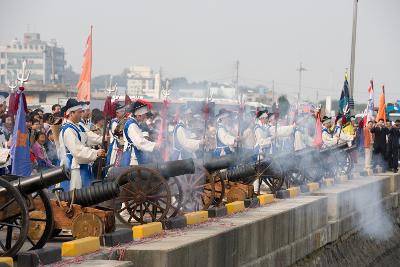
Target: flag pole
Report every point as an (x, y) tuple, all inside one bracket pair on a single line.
[(353, 54), (91, 59)]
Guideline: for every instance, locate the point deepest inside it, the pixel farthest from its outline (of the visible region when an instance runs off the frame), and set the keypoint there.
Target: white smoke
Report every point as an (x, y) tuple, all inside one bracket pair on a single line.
[(374, 220)]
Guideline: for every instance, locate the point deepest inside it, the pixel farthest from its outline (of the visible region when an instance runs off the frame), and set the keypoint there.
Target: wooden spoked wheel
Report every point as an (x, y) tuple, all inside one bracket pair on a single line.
[(270, 173), (198, 189), (293, 177), (14, 220), (41, 220), (145, 196), (176, 197), (311, 169), (344, 162)]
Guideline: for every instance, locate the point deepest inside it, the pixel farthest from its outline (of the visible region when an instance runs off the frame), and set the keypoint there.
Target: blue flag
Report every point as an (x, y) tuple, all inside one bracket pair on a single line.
[(344, 99), (21, 162)]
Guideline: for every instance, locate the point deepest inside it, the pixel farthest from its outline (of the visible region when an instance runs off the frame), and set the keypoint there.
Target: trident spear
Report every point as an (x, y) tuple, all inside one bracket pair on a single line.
[(12, 84), (22, 78), (206, 117), (162, 136), (240, 117), (107, 111)]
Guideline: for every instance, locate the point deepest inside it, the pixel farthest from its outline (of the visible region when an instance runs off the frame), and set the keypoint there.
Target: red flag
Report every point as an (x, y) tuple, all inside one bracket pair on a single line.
[(108, 108), (11, 104), (86, 74), (127, 99), (162, 135), (318, 132), (382, 110)]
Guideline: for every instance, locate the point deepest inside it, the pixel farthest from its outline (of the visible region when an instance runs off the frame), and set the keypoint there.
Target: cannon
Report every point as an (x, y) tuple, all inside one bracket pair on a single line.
[(311, 165), (79, 210), (20, 217), (149, 192)]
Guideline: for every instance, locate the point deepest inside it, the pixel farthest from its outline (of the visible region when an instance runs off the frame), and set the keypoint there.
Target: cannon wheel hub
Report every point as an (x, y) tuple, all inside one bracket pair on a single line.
[(87, 224)]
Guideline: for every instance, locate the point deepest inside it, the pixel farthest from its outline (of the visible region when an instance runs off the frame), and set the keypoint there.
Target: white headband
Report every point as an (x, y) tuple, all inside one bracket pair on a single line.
[(264, 115), (75, 108)]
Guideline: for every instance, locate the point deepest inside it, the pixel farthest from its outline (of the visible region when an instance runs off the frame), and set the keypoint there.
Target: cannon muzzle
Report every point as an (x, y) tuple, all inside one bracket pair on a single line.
[(221, 163), (39, 181), (173, 168), (243, 173)]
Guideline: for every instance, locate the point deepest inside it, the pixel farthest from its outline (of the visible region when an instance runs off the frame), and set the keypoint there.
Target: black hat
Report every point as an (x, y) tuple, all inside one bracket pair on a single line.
[(262, 112), (120, 108), (71, 105), (139, 106), (85, 104), (326, 119), (224, 113)]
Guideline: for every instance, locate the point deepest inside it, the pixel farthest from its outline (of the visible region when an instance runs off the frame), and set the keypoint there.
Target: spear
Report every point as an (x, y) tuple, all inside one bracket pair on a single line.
[(12, 84), (206, 117), (108, 113), (166, 92)]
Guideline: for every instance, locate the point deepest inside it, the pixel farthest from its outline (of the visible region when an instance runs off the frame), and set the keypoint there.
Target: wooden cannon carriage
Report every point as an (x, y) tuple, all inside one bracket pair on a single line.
[(20, 217)]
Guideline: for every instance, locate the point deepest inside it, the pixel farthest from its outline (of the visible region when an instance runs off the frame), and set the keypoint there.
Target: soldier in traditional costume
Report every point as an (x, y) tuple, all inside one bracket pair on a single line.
[(263, 135), (225, 141), (184, 147), (116, 135), (328, 139), (76, 154), (134, 141), (86, 120)]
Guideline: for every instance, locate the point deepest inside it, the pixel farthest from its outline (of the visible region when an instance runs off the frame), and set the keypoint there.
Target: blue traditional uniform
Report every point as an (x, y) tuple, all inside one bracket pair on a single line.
[(84, 169), (179, 152), (112, 149), (222, 146), (134, 144), (263, 141)]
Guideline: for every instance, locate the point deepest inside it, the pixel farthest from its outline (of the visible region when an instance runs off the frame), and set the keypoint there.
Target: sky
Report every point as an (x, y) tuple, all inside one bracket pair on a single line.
[(201, 40)]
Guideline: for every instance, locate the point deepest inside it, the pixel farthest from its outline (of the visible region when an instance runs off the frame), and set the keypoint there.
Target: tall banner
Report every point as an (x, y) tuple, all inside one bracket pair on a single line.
[(86, 74), (20, 155)]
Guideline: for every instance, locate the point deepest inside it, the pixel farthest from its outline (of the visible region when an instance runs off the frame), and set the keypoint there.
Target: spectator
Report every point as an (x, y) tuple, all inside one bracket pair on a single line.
[(4, 155), (46, 122), (55, 108), (39, 112), (368, 145), (34, 128), (39, 151), (51, 149), (394, 146), (8, 126), (380, 132), (98, 121)]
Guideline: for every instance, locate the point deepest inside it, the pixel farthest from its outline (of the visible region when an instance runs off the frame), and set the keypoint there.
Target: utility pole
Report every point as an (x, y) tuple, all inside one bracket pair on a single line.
[(300, 70), (353, 54)]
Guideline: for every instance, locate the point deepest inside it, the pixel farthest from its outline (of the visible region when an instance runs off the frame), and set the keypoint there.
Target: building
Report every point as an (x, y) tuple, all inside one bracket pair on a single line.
[(44, 59), (143, 82)]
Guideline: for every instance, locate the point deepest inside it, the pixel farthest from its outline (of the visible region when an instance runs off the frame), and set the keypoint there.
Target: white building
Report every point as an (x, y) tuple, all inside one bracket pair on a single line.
[(143, 82), (44, 59)]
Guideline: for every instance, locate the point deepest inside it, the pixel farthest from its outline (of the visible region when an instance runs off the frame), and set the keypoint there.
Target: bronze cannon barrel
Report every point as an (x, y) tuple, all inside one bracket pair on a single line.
[(39, 181)]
